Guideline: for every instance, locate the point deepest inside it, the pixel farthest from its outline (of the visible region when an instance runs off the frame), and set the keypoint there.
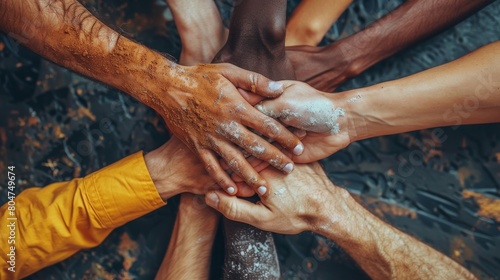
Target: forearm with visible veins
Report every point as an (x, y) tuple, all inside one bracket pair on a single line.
[(384, 252), (464, 91), (413, 21), (66, 33)]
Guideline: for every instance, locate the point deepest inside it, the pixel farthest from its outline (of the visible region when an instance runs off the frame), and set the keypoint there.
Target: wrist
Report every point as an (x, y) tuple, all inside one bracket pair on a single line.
[(352, 123), (157, 167), (331, 219), (377, 110), (353, 53)]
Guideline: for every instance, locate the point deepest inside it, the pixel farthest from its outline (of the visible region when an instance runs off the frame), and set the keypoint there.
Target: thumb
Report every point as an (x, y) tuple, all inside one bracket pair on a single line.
[(253, 82), (251, 98), (271, 108), (235, 208)]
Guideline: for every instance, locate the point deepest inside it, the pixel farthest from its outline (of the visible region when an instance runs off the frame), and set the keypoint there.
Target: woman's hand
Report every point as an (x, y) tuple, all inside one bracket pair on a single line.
[(321, 115)]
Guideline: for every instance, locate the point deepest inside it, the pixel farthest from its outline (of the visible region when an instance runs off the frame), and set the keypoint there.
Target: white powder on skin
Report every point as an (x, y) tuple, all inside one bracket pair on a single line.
[(354, 99), (280, 192), (314, 114), (229, 130), (257, 149), (263, 264)]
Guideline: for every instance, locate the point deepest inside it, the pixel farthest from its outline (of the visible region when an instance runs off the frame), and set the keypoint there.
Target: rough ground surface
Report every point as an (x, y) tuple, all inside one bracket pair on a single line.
[(55, 125)]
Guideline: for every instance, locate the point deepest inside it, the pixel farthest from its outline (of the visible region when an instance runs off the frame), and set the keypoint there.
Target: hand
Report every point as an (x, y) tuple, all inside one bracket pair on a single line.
[(174, 169), (294, 203), (207, 113), (324, 68), (322, 115)]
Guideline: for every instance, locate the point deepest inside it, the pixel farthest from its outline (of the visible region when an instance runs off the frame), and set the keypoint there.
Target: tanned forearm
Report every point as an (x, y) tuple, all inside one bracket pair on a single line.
[(413, 21), (311, 20), (190, 248), (66, 33), (382, 251), (465, 91)]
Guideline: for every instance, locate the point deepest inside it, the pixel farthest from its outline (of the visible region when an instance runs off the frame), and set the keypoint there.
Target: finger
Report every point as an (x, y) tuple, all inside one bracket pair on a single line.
[(272, 108), (244, 190), (300, 133), (224, 165), (237, 209), (257, 163), (258, 168), (261, 149), (250, 97), (255, 146), (240, 166), (275, 131), (253, 82), (215, 171)]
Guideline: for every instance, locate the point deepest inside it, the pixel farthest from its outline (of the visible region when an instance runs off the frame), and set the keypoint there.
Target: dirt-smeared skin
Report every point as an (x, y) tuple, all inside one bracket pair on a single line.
[(256, 42), (192, 100)]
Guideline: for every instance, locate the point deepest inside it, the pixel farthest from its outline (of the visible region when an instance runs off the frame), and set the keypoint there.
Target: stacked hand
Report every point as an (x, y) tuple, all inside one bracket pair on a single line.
[(212, 118)]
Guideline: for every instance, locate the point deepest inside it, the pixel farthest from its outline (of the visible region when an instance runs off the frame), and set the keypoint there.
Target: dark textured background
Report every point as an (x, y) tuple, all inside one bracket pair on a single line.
[(56, 125)]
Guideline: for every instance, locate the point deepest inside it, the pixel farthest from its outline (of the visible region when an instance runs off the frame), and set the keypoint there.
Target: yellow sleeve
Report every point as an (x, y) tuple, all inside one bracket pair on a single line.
[(60, 219)]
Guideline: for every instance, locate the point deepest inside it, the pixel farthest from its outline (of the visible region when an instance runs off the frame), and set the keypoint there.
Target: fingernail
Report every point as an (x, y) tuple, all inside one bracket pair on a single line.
[(275, 86), (300, 133), (230, 190), (298, 149), (212, 200), (288, 168), (259, 107), (262, 190)]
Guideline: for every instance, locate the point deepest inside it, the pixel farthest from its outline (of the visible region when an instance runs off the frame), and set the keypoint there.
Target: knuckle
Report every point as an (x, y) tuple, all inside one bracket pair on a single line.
[(234, 163), (210, 168), (231, 210), (221, 182), (271, 128), (276, 161), (252, 180)]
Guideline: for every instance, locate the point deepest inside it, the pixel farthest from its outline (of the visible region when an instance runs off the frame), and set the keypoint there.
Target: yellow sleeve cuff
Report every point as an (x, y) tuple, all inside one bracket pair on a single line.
[(121, 192)]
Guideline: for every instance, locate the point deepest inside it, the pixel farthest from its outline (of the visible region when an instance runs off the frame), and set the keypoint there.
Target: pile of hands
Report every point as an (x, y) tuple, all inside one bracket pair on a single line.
[(246, 134)]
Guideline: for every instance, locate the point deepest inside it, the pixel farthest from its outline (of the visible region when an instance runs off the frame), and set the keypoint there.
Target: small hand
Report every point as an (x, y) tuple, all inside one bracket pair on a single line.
[(211, 117), (293, 204), (322, 115)]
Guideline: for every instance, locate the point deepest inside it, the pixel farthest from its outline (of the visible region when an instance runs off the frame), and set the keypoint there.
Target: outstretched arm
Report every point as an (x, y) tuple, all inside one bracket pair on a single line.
[(306, 200), (413, 21), (190, 248), (311, 20), (199, 104), (201, 30), (465, 91)]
